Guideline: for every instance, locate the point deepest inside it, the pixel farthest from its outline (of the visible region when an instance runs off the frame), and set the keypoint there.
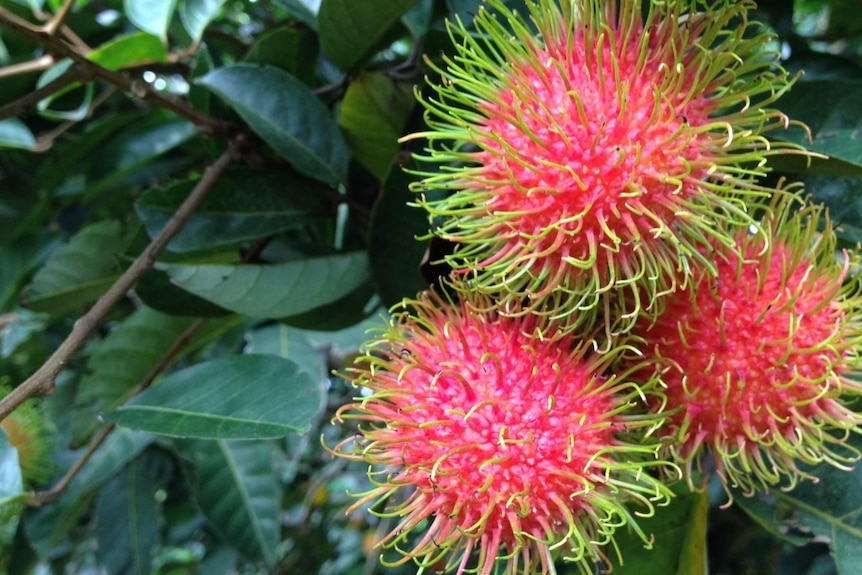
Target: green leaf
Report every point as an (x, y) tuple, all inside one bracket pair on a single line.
[(152, 16), (274, 291), (244, 204), (287, 115), (197, 14), (831, 509), (78, 272), (239, 493), (239, 397), (303, 10), (680, 539), (24, 325), (290, 343), (350, 30), (831, 110), (127, 518), (67, 112), (841, 196), (134, 148), (290, 48), (17, 259), (131, 50), (127, 354), (393, 252), (373, 115), (48, 526), (156, 291), (15, 134)]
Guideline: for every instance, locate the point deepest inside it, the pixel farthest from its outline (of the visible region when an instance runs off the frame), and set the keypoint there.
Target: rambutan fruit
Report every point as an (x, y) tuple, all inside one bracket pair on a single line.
[(763, 357), (29, 435), (590, 152), (506, 448)]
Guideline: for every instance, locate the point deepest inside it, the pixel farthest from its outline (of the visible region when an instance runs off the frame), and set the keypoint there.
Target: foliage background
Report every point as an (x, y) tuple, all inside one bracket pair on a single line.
[(285, 114)]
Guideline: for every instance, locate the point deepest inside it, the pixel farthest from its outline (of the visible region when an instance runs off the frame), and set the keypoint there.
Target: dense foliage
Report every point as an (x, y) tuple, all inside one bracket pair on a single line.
[(204, 207)]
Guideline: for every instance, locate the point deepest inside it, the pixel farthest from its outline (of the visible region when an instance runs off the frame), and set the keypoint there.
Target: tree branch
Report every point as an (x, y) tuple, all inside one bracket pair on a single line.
[(91, 70), (42, 382), (35, 65)]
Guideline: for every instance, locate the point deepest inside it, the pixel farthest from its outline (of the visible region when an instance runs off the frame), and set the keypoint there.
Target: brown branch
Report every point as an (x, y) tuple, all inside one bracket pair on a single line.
[(57, 20), (23, 104), (91, 70), (40, 498), (39, 64), (42, 382)]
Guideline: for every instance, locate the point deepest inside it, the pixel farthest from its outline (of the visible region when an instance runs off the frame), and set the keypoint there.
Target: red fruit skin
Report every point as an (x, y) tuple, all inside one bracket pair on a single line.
[(761, 357), (506, 443)]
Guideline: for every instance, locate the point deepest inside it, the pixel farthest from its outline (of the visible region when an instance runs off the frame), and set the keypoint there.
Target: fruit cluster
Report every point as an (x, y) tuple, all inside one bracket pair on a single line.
[(631, 301)]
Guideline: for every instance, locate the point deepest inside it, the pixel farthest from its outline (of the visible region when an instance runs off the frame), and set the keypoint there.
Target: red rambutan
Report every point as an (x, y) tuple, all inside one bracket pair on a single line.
[(588, 150), (762, 358), (507, 449)]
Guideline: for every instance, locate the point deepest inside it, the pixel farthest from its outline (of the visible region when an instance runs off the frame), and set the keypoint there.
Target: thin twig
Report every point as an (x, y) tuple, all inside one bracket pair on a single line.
[(91, 70), (42, 382), (40, 498), (57, 20), (35, 65)]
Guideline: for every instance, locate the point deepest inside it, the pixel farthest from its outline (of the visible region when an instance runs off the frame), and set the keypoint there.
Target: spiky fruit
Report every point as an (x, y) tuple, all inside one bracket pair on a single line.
[(589, 151), (506, 448), (764, 357), (28, 434)]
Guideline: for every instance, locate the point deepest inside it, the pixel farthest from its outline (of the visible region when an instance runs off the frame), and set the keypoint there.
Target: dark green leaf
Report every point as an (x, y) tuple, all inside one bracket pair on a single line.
[(151, 16), (78, 272), (200, 97), (301, 10), (22, 327), (132, 50), (290, 48), (679, 530), (274, 291), (197, 14), (239, 397), (290, 343), (244, 204), (67, 112), (284, 112), (831, 110), (340, 314), (121, 360), (373, 114), (350, 30), (48, 526), (831, 509), (134, 148), (127, 519), (393, 251), (239, 493), (158, 292), (121, 447), (15, 134), (842, 197), (17, 260)]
